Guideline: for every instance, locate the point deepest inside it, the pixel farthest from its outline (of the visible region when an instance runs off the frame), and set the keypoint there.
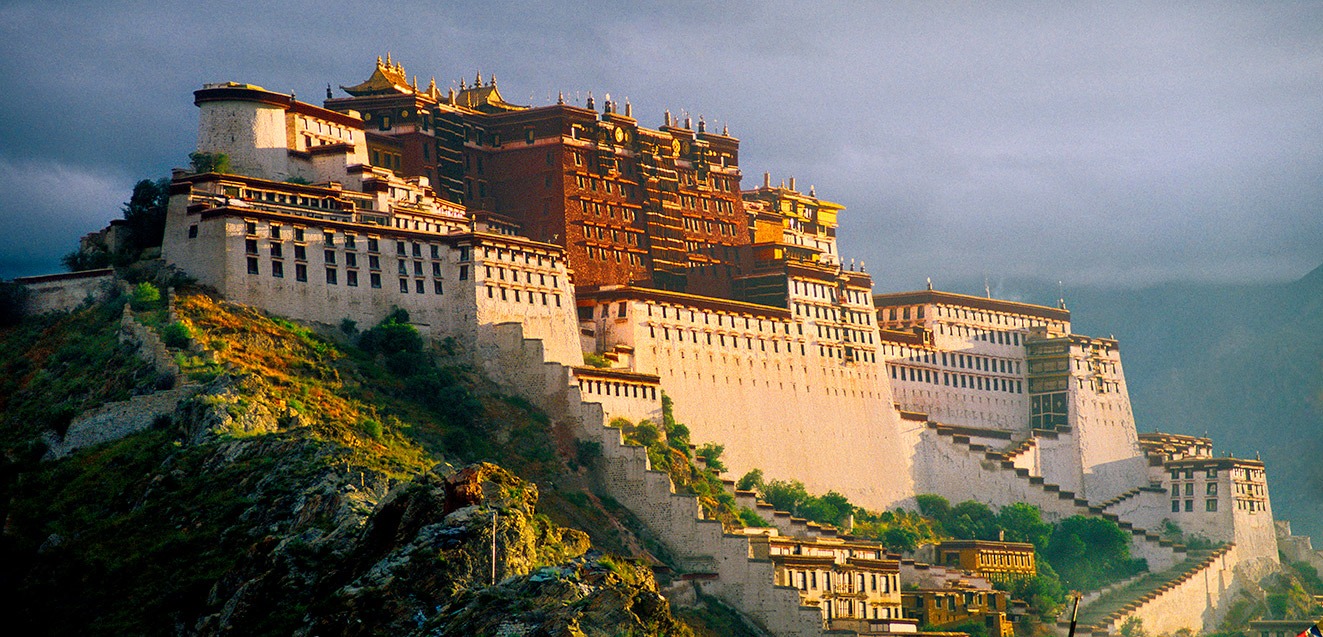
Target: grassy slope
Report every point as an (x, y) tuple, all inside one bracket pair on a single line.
[(134, 536)]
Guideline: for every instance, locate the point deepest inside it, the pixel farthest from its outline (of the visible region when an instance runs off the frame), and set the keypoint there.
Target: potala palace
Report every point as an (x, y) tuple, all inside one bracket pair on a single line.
[(535, 235)]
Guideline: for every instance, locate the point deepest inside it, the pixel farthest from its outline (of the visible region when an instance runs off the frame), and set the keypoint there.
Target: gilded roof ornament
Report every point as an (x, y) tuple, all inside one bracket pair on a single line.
[(560, 97)]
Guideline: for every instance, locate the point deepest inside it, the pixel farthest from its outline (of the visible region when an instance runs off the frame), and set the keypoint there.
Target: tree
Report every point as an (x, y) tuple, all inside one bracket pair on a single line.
[(1024, 523), (752, 481), (145, 214), (711, 454), (1090, 552)]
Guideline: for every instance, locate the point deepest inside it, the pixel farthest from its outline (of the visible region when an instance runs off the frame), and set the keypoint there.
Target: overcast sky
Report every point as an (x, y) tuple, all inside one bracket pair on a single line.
[(1094, 144)]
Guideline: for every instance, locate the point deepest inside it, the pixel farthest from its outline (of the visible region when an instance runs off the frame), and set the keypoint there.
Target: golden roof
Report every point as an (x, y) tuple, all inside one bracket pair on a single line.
[(389, 77), (484, 97)]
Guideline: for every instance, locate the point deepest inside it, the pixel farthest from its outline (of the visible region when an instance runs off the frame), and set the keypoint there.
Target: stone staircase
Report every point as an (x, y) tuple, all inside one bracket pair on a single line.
[(1053, 500), (719, 563), (1119, 499), (1104, 615)]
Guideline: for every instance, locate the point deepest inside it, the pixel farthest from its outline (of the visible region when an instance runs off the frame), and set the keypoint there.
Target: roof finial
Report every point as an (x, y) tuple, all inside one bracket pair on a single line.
[(477, 82), (1061, 295), (450, 95), (378, 61), (930, 284), (688, 122), (592, 105), (462, 85), (987, 289), (861, 266), (415, 84), (702, 125), (667, 119), (431, 87), (725, 130), (493, 81), (560, 97), (813, 191), (388, 62), (629, 108), (852, 264), (606, 104), (329, 95)]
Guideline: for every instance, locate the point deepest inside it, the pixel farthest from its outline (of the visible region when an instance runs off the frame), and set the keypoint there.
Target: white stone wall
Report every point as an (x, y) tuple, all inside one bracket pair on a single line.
[(253, 134), (630, 400), (65, 292), (764, 392)]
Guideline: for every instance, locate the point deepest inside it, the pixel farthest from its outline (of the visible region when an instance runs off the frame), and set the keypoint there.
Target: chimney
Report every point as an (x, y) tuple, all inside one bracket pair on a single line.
[(767, 180), (792, 183)]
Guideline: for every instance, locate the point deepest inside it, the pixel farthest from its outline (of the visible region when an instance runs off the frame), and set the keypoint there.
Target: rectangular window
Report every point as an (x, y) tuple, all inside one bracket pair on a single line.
[(436, 268), (250, 227), (399, 247), (436, 252), (351, 259), (252, 265), (1189, 506), (250, 246), (328, 238), (300, 272), (417, 268), (328, 256), (331, 276), (298, 234), (1175, 506), (278, 269), (374, 262), (418, 286), (351, 278), (1210, 506), (374, 279), (463, 272), (404, 286), (277, 250), (193, 231), (372, 244), (351, 242), (301, 253), (436, 285)]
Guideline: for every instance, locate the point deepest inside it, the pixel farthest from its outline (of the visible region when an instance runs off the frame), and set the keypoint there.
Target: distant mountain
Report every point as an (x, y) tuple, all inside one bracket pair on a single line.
[(1241, 363)]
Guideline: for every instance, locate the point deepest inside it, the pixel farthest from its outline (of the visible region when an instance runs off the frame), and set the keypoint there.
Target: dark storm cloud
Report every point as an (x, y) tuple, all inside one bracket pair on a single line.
[(1125, 143)]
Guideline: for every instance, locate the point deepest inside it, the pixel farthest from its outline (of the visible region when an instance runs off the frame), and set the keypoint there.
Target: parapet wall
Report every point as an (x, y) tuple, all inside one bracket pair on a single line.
[(64, 292)]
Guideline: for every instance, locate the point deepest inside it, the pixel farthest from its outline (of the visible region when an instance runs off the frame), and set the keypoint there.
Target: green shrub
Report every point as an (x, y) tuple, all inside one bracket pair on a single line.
[(176, 335), (145, 296), (748, 517), (595, 360), (371, 428)]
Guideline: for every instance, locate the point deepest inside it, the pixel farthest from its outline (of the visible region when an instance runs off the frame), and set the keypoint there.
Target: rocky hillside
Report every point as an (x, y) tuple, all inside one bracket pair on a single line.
[(301, 486)]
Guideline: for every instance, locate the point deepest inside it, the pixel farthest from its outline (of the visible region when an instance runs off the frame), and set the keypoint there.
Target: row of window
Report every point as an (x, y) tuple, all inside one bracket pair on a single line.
[(609, 388), (1209, 489), (1210, 506), (722, 338), (608, 210), (523, 296), (620, 256), (514, 276), (351, 277), (722, 319), (842, 582), (605, 185), (954, 360), (612, 234), (962, 381)]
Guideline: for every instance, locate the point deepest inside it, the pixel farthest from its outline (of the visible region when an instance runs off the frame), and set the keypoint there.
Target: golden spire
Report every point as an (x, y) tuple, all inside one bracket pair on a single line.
[(388, 62), (431, 88), (477, 82), (493, 81), (378, 61)]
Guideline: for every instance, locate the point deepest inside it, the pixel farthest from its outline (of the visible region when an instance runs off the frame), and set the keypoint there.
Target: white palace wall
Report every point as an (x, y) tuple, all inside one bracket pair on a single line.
[(451, 285), (760, 389)]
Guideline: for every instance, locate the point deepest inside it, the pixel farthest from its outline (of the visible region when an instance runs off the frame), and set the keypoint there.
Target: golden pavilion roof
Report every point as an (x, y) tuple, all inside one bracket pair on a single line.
[(387, 78)]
